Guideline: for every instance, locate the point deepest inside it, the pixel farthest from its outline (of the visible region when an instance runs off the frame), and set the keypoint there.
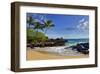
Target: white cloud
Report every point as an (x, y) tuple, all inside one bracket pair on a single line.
[(82, 20), (83, 24)]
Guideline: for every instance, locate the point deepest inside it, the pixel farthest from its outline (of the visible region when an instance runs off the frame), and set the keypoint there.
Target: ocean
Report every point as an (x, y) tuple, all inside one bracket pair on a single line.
[(72, 42)]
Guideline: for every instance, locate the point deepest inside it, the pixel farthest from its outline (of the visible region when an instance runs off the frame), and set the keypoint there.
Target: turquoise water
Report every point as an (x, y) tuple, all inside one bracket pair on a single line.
[(72, 42)]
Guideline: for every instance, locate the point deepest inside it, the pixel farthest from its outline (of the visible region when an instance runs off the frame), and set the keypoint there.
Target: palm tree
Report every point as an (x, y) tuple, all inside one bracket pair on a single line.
[(37, 26), (30, 21), (47, 25)]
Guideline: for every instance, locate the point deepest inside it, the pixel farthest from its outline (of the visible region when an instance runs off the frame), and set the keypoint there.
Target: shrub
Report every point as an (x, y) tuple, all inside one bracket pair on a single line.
[(34, 36)]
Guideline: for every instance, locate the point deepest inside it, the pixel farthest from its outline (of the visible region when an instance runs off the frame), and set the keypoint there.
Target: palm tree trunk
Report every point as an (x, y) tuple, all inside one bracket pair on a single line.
[(45, 31)]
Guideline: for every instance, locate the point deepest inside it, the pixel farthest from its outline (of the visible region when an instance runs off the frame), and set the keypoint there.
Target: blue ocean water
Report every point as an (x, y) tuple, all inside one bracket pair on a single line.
[(72, 42)]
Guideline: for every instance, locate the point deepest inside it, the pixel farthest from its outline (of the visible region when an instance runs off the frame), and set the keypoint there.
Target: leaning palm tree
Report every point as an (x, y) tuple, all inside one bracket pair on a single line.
[(37, 26), (47, 25), (33, 22)]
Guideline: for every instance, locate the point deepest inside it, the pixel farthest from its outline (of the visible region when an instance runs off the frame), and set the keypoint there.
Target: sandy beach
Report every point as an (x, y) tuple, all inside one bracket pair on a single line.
[(49, 53)]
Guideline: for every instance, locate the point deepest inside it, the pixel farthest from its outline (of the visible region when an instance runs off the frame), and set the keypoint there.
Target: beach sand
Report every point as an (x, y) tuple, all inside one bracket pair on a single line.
[(43, 55)]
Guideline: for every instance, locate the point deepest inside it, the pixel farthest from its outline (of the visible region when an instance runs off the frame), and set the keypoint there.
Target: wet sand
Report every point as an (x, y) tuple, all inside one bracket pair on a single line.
[(43, 55)]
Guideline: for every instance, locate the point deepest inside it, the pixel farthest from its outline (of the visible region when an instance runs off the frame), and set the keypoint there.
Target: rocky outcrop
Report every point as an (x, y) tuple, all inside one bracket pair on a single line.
[(82, 47), (49, 43)]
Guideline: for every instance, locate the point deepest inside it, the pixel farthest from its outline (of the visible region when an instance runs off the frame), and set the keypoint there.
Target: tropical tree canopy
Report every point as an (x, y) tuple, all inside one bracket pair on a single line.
[(38, 25), (33, 37), (30, 20), (48, 24), (33, 33)]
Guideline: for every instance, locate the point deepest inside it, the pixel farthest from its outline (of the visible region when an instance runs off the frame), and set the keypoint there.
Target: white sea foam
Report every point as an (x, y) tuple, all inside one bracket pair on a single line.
[(61, 50)]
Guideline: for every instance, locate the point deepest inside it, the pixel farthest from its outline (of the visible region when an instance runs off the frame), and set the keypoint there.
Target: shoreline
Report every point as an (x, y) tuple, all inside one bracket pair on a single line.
[(53, 53)]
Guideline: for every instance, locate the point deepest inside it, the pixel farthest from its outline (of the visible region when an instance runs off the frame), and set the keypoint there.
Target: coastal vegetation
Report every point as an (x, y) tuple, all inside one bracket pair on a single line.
[(37, 37), (36, 33)]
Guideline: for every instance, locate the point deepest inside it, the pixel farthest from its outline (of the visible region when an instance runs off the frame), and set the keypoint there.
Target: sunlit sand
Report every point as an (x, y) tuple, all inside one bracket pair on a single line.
[(44, 54)]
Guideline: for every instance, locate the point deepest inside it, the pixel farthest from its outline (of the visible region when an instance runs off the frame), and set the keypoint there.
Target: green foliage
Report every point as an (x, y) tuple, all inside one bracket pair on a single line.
[(41, 37), (30, 20), (47, 25), (30, 35), (38, 25), (34, 36)]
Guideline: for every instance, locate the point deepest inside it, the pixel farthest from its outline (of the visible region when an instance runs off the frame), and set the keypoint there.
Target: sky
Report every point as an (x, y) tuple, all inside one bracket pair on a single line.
[(66, 26)]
